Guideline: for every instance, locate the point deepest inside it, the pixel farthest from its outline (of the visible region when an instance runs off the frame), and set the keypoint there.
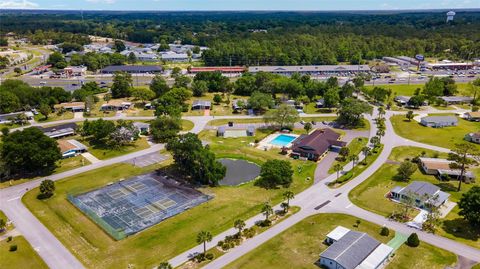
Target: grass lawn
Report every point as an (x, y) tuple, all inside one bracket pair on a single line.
[(371, 193), (54, 117), (355, 147), (23, 257), (171, 237), (301, 245), (443, 137), (311, 108), (4, 218), (409, 90), (221, 109), (358, 169), (13, 125), (62, 166), (187, 125), (140, 112), (103, 153)]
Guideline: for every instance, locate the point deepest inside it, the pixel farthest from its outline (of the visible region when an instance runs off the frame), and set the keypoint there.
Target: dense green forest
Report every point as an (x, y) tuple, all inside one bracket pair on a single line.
[(290, 37)]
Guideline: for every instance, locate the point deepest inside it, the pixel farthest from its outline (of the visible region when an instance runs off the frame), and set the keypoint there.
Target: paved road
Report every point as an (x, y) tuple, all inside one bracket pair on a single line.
[(57, 256)]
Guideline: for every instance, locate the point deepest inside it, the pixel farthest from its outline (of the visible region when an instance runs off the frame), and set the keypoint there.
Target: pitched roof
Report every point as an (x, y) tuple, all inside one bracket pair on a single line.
[(420, 188), (474, 114), (435, 163), (351, 250), (439, 119), (65, 145), (318, 141)]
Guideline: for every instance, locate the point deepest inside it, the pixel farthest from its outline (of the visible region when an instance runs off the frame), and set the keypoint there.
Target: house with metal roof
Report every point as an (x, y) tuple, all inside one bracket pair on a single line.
[(316, 145), (201, 104), (439, 121), (423, 193), (353, 250), (12, 117), (71, 106), (453, 100), (473, 137), (59, 131)]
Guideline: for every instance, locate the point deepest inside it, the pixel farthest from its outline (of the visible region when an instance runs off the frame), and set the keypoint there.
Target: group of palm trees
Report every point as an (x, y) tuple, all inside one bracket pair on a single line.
[(366, 151)]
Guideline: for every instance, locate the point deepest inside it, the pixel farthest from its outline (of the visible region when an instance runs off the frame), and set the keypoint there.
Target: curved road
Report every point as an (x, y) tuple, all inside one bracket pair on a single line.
[(57, 256)]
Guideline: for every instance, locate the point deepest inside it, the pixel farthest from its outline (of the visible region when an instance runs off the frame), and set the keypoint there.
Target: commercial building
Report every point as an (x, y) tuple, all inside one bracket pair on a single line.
[(316, 145), (222, 69), (447, 65), (75, 71), (353, 250), (174, 57), (132, 69), (314, 70)]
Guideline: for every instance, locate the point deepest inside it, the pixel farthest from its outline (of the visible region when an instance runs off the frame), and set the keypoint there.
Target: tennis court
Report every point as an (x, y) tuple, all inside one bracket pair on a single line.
[(129, 206)]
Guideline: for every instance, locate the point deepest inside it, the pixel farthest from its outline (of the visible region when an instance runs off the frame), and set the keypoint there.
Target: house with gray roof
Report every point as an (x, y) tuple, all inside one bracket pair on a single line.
[(473, 137), (201, 104), (439, 121), (353, 250), (423, 193), (453, 100)]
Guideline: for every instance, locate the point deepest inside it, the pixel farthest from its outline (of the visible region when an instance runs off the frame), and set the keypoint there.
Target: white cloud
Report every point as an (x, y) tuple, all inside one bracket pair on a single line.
[(102, 1), (18, 4)]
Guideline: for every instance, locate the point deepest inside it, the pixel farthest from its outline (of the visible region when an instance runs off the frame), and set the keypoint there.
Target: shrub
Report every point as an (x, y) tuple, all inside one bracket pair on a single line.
[(200, 257), (264, 223), (9, 239), (220, 243), (249, 233), (13, 248), (384, 231), (209, 256), (413, 240)]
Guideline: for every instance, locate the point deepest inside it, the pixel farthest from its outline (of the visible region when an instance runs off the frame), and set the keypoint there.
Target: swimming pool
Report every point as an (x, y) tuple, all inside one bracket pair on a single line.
[(283, 140)]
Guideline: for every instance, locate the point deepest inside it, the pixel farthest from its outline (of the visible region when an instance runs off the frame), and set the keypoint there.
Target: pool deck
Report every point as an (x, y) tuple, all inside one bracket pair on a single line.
[(266, 142)]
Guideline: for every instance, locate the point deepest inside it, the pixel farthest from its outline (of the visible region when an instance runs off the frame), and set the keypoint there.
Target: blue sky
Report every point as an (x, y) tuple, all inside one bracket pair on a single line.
[(240, 4)]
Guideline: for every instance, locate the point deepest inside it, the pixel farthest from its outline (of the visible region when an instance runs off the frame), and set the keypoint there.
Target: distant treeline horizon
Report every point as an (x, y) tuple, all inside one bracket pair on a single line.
[(286, 37)]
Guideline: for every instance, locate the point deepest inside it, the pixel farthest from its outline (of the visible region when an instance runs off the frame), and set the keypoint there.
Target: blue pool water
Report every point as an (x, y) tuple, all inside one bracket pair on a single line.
[(282, 140)]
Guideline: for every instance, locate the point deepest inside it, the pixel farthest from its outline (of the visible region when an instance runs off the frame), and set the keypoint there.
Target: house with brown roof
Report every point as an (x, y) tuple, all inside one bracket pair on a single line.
[(71, 106), (472, 116), (114, 105), (316, 145), (473, 137), (441, 168), (71, 148)]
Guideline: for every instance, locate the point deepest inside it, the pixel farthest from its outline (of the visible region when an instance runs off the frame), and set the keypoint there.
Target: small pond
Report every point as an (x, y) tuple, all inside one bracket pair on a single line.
[(238, 172)]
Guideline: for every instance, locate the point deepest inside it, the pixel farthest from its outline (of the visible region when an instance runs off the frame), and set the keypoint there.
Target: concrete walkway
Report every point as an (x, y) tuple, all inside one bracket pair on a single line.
[(90, 157), (11, 233)]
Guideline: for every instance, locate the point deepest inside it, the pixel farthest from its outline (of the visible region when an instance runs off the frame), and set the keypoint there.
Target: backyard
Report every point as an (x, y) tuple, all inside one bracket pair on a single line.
[(371, 193), (302, 252), (23, 257), (443, 137), (409, 90), (104, 152), (172, 236), (355, 147)]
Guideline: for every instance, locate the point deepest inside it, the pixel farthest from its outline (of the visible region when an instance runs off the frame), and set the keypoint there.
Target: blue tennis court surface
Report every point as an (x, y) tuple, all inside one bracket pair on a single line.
[(129, 206)]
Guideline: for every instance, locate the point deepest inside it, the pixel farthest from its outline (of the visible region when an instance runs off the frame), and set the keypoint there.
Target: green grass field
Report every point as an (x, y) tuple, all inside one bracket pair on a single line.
[(54, 117), (443, 137), (355, 147), (409, 90), (62, 166), (301, 245), (220, 122), (172, 236), (187, 125), (24, 257), (104, 153), (371, 193)]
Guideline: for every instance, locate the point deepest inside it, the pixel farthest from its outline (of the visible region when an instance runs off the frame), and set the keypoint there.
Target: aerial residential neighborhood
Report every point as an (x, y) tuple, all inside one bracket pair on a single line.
[(220, 134)]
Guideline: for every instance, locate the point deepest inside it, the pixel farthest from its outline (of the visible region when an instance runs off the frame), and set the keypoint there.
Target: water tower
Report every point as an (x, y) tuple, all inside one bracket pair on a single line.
[(450, 15)]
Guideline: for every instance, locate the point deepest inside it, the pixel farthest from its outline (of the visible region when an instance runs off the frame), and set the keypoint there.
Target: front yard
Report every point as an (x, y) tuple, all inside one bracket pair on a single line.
[(445, 137), (371, 193), (23, 257), (301, 245)]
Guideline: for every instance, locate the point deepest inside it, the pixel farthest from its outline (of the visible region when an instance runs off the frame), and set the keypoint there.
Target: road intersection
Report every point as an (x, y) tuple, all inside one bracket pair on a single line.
[(319, 198)]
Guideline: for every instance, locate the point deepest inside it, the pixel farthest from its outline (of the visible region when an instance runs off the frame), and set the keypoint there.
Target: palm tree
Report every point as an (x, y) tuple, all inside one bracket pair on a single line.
[(366, 151), (288, 195), (380, 133), (409, 115), (463, 155), (165, 265), (338, 168), (267, 210), (381, 112), (202, 238), (239, 224), (353, 159)]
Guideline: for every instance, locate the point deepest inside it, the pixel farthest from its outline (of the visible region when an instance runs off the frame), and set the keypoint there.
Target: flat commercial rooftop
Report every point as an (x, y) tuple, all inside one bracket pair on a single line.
[(129, 206)]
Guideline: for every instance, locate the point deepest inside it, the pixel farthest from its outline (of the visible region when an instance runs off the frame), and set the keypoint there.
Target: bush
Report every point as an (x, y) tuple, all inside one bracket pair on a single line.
[(10, 238), (200, 257), (384, 231), (220, 243), (413, 240), (209, 256), (13, 248), (264, 223), (249, 232)]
